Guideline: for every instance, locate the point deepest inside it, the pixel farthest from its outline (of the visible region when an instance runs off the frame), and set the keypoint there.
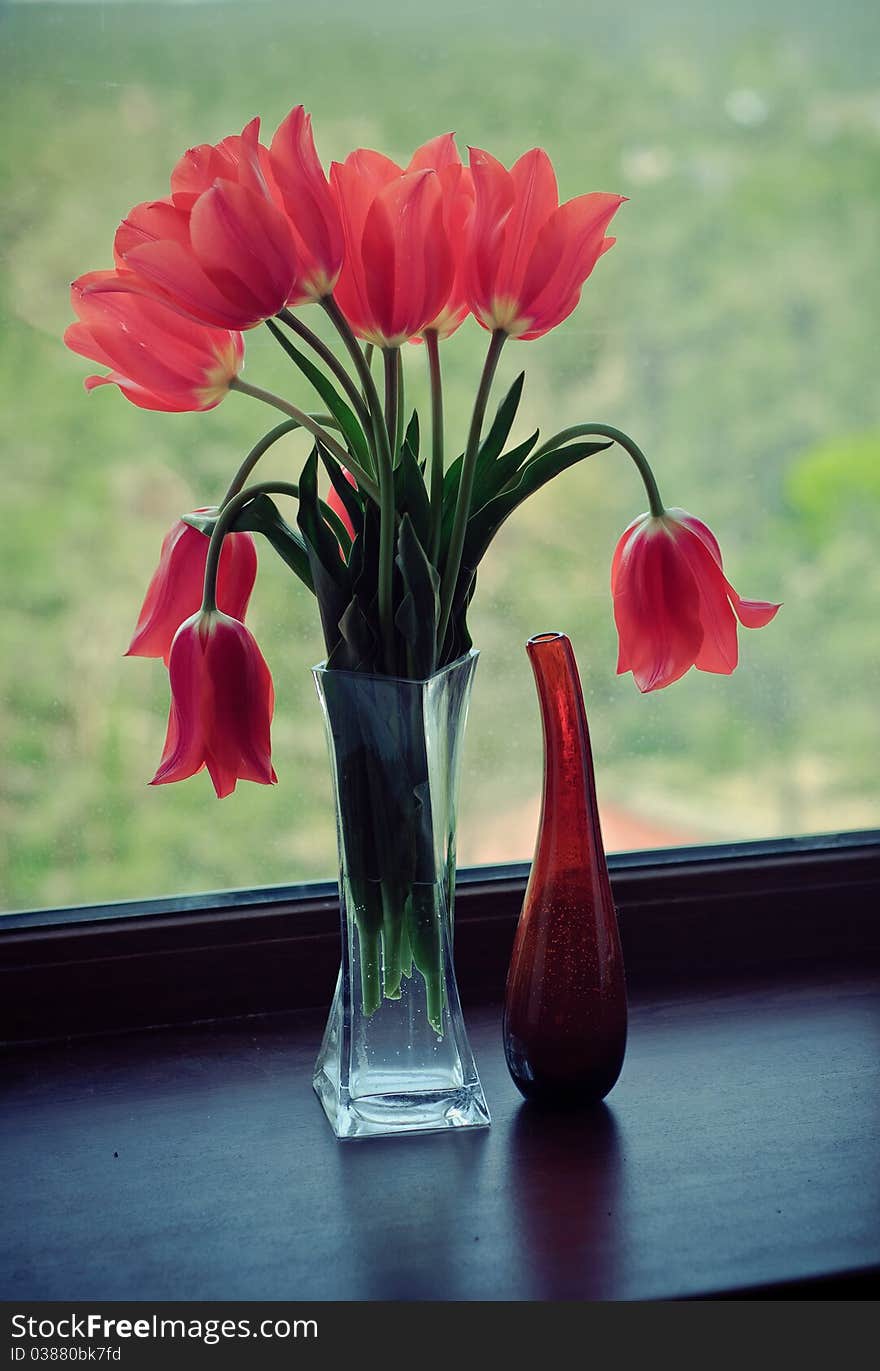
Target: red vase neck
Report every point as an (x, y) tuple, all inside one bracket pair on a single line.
[(569, 837)]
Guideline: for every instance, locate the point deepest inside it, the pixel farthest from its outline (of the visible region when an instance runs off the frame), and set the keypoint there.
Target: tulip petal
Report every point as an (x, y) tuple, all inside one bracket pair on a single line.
[(494, 197), (373, 169), (245, 247), (398, 270), (170, 272), (699, 529), (184, 751), (309, 201), (535, 198), (752, 613), (656, 610), (435, 155), (565, 251), (152, 222), (379, 255), (238, 708), (175, 590), (196, 172), (79, 339), (158, 358), (174, 593), (719, 650), (236, 574), (145, 399), (355, 197), (222, 702)]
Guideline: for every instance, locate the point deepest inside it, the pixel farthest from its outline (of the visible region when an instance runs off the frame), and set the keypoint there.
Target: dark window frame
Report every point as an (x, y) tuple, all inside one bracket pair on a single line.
[(686, 914)]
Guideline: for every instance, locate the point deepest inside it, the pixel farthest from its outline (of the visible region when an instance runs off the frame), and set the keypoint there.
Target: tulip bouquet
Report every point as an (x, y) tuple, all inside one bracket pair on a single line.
[(253, 234)]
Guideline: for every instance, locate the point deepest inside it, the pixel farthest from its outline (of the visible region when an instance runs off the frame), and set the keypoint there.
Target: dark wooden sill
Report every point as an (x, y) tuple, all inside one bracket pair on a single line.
[(737, 1156)]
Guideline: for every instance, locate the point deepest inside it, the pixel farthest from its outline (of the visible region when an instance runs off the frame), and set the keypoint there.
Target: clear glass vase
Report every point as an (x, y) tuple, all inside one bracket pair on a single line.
[(395, 1056)]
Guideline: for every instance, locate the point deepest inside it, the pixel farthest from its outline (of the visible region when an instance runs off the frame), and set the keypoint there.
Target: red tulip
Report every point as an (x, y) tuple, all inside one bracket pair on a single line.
[(175, 591), (673, 606), (220, 250), (528, 255), (457, 190), (240, 157), (222, 700), (310, 204), (158, 359), (398, 268)]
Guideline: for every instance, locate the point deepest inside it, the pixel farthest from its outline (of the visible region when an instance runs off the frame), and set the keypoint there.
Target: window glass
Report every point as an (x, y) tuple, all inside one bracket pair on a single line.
[(732, 331)]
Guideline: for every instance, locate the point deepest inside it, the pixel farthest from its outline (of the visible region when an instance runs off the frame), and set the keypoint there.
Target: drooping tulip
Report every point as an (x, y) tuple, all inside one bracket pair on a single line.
[(175, 590), (529, 256), (220, 249), (398, 269), (157, 358), (673, 605), (311, 206), (457, 192), (222, 701)]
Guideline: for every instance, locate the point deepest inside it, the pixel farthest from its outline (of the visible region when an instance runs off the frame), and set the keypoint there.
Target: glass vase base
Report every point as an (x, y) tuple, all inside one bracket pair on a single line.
[(378, 1116)]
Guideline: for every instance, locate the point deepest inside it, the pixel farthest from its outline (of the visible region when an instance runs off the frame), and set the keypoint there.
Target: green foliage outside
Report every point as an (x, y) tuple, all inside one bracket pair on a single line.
[(732, 331)]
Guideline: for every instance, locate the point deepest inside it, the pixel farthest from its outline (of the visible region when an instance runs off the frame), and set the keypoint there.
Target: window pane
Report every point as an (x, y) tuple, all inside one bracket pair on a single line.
[(732, 331)]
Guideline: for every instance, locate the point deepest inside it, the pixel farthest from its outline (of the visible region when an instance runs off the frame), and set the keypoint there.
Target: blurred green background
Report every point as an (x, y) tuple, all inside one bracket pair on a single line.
[(732, 331)]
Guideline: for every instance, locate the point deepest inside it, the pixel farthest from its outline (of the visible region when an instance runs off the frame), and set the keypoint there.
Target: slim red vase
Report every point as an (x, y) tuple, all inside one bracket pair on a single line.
[(565, 1003)]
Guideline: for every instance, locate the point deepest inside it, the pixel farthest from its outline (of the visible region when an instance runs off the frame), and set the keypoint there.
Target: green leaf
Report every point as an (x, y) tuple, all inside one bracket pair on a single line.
[(419, 610), (344, 416), (358, 648), (484, 523), (350, 496), (498, 434), (458, 636), (411, 495), (411, 437), (204, 523), (488, 478), (330, 574), (360, 641), (451, 479), (489, 481), (262, 516)]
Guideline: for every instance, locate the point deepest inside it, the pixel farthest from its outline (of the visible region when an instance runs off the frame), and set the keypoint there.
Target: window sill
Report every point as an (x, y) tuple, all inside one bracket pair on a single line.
[(734, 1155)]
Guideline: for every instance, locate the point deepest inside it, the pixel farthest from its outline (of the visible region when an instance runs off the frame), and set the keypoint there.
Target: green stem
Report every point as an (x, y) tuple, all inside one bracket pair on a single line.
[(328, 356), (362, 365), (466, 487), (225, 520), (623, 439), (255, 454), (386, 481), (306, 421), (392, 395), (401, 403), (432, 348)]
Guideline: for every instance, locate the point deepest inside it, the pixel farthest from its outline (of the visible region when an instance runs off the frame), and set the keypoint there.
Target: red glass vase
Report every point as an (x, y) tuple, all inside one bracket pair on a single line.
[(565, 1003)]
